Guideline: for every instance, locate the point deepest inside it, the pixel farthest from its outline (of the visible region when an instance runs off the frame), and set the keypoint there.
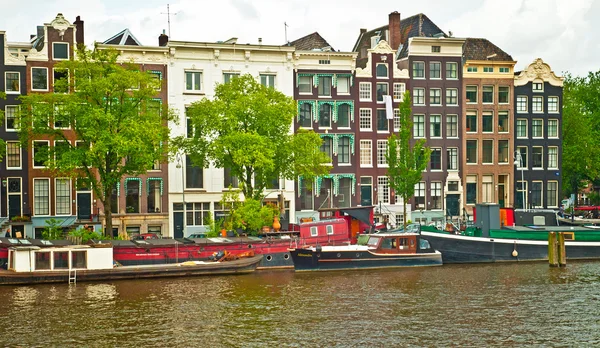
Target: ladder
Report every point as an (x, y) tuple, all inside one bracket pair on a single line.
[(73, 276)]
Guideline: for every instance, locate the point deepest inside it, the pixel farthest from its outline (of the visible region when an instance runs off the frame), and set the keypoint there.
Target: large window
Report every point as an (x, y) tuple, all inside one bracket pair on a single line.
[(471, 94), (521, 104), (471, 189), (382, 89), (553, 157), (419, 96), (537, 104), (382, 121), (435, 70), (197, 214), (227, 77), (132, 199), (326, 147), (488, 94), (39, 79), (364, 91), (193, 81), (420, 195), (305, 84), (503, 94), (452, 126), (451, 70), (436, 159), (471, 121), (343, 119), (418, 70), (502, 151), (365, 153), (383, 189), (552, 194), (381, 153), (381, 70), (267, 80), (451, 96), (452, 158), (40, 153), (365, 119), (60, 50), (487, 156), (11, 117), (487, 122), (552, 104), (537, 157), (503, 122), (12, 82), (343, 152), (13, 155), (41, 196), (154, 196), (435, 96), (487, 189), (537, 128), (305, 119), (324, 86), (522, 150), (471, 151), (521, 128), (325, 116), (435, 126), (194, 175), (61, 81), (419, 126), (343, 84), (552, 128), (399, 89), (436, 195), (536, 194), (63, 196)]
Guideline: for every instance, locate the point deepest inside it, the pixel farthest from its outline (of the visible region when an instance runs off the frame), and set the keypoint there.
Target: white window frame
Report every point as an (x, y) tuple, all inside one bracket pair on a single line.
[(310, 84), (540, 124), (20, 166), (535, 85), (440, 70), (432, 95), (60, 43), (54, 81), (433, 119), (555, 203), (420, 93), (412, 70), (339, 81), (47, 79), (542, 157), (452, 119), (383, 190), (398, 92), (451, 93), (525, 121), (365, 117), (35, 204), (539, 102), (267, 75), (522, 101), (366, 153), (552, 157), (382, 148), (56, 180), (554, 110), (6, 82), (441, 168), (185, 81), (387, 71), (16, 111), (483, 92), (419, 132), (452, 158), (552, 134), (47, 142), (364, 91), (455, 70), (396, 120)]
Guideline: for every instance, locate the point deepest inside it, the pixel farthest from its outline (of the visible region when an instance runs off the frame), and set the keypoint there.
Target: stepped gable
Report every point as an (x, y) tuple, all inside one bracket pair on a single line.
[(483, 49), (417, 25), (125, 37), (311, 42)]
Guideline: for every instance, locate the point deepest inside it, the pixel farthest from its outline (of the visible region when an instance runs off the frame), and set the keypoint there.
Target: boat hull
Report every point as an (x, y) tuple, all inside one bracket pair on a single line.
[(466, 249), (325, 260)]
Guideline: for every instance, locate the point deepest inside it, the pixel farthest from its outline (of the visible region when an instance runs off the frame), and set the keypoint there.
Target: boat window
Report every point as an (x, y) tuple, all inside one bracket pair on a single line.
[(373, 241), (24, 242), (403, 243), (386, 243), (329, 229), (424, 244), (46, 242), (42, 260), (61, 259), (78, 259), (314, 231)]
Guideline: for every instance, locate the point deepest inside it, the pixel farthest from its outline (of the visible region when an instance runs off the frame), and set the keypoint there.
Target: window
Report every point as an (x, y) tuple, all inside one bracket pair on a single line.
[(487, 156), (452, 158), (418, 70), (420, 195), (399, 89), (11, 117), (197, 214), (382, 89), (487, 122), (227, 77), (382, 121), (343, 84), (267, 80), (488, 69), (435, 70), (60, 148), (522, 150), (487, 189), (132, 199), (381, 70), (41, 196), (552, 194), (13, 155), (521, 197), (364, 91), (537, 156), (157, 76), (435, 96), (502, 121), (324, 88), (396, 120), (553, 157), (436, 195), (419, 96), (343, 152), (305, 115), (194, 175), (60, 50), (306, 197), (324, 61), (536, 194), (365, 119), (193, 81), (552, 128), (326, 147), (471, 189), (305, 84), (343, 119), (452, 185), (381, 152), (230, 180), (61, 117), (451, 96), (502, 151), (552, 104), (383, 189), (471, 121), (435, 49), (471, 151), (488, 94), (39, 79), (365, 153), (451, 70), (471, 69), (325, 115), (452, 126), (537, 86), (537, 128), (503, 96), (12, 82), (504, 70), (521, 128), (537, 104), (63, 196), (40, 153), (471, 94), (521, 104), (61, 81), (419, 126), (435, 126), (436, 159)]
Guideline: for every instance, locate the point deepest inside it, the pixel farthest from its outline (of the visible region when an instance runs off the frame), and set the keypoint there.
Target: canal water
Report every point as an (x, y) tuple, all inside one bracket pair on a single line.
[(526, 304)]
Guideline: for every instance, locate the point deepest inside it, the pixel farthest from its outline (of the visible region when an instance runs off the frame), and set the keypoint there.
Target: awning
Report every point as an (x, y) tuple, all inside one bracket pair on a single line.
[(362, 214)]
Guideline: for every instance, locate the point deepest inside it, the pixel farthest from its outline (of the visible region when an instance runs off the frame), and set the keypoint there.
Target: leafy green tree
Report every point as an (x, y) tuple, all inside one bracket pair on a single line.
[(53, 230), (2, 142), (247, 128), (255, 215), (580, 131), (405, 162), (110, 109)]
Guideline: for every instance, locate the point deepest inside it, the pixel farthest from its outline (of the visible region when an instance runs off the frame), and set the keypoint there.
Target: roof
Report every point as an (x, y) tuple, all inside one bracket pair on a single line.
[(483, 49), (417, 25), (125, 37), (311, 42)]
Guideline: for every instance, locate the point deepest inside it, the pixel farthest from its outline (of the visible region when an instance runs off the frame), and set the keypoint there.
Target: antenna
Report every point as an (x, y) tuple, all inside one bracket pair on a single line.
[(169, 18), (285, 26)]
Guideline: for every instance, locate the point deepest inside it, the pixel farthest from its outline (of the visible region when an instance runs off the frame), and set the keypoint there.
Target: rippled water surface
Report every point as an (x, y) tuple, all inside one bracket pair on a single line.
[(509, 305)]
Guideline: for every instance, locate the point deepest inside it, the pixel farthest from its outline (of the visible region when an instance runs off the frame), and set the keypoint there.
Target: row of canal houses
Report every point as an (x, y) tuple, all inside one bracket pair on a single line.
[(495, 133)]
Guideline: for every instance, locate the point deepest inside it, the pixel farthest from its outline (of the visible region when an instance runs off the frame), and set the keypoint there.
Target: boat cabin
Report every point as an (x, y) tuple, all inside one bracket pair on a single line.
[(398, 243), (76, 257)]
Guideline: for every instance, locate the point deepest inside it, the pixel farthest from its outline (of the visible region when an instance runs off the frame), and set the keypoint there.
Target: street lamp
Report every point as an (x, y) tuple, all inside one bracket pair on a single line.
[(519, 164), (180, 165)]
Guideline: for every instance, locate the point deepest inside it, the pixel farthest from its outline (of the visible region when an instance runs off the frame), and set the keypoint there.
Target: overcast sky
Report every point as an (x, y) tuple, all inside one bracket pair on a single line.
[(561, 32)]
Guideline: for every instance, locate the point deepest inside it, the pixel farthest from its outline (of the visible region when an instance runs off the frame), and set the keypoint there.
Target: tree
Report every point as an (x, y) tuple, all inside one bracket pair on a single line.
[(108, 107), (580, 131), (405, 162), (247, 129), (2, 142)]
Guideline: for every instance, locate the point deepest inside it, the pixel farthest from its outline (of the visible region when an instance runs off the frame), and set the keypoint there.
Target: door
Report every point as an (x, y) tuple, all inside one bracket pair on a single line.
[(178, 224), (452, 204), (501, 196), (14, 206), (84, 205)]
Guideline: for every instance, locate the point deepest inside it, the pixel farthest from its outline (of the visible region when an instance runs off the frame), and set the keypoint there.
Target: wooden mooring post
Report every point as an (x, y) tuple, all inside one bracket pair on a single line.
[(557, 255), (562, 250)]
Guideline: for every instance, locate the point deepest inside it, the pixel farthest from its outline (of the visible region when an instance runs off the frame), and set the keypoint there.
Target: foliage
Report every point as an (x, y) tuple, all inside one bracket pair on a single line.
[(111, 111), (580, 131), (247, 129), (53, 230), (20, 218), (2, 142), (594, 198), (214, 227), (87, 235), (231, 202), (255, 215), (405, 162)]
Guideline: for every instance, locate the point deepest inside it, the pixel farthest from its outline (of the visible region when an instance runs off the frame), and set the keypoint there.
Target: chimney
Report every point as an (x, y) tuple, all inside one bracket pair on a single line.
[(79, 31), (395, 38), (363, 30), (163, 39), (260, 40)]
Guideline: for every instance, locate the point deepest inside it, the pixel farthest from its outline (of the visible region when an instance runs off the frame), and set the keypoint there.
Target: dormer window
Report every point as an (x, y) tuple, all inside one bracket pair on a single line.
[(435, 49)]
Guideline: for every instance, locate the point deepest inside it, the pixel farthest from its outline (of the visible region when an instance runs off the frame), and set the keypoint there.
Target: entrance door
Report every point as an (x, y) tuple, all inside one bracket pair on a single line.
[(178, 224), (84, 205), (14, 197), (452, 205), (501, 196), (366, 191)]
